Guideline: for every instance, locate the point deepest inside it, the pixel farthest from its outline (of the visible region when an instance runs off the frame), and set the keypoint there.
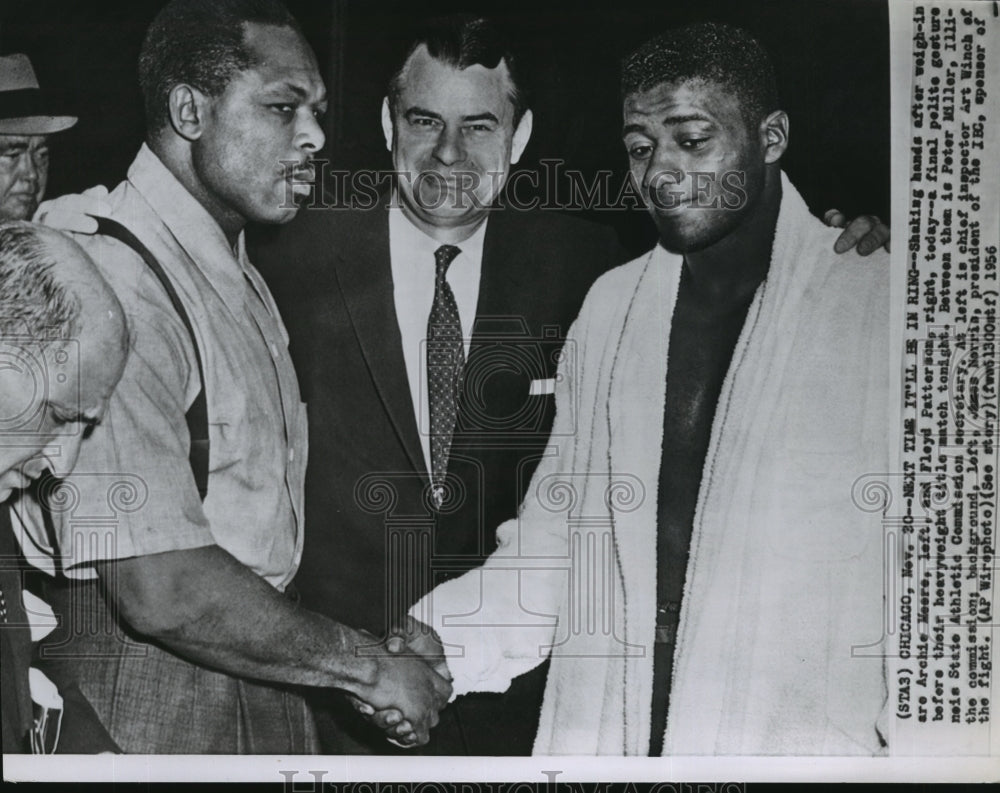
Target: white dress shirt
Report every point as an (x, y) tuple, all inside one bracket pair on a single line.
[(411, 254)]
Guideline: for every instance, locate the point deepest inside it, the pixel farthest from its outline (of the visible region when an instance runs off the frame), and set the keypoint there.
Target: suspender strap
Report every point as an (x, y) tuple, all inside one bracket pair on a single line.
[(197, 415)]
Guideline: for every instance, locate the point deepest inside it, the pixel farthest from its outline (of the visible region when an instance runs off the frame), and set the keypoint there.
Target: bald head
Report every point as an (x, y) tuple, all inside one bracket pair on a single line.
[(50, 289), (63, 345)]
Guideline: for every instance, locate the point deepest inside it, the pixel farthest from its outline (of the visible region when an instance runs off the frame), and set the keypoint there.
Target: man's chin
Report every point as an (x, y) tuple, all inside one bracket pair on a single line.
[(677, 241), (278, 216), (679, 235), (11, 484), (451, 204), (18, 209), (452, 217)]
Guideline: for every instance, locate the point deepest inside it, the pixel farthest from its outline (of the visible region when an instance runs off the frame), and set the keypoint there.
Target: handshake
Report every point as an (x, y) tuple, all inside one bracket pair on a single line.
[(411, 686)]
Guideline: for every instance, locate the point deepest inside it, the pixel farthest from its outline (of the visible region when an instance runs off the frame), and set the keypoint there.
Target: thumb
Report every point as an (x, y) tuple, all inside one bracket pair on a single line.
[(97, 191), (834, 218)]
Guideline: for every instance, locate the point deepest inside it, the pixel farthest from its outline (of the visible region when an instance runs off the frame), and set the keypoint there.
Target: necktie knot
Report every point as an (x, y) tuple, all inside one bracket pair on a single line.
[(443, 257)]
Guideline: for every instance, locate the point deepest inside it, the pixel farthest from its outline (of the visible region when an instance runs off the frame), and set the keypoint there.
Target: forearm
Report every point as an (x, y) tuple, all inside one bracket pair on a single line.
[(207, 607), (283, 643)]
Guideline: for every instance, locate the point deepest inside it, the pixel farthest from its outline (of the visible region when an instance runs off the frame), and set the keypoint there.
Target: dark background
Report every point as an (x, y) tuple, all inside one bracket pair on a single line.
[(831, 58)]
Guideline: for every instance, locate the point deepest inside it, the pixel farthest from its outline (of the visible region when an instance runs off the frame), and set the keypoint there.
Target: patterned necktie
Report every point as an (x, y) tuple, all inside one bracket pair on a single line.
[(445, 359)]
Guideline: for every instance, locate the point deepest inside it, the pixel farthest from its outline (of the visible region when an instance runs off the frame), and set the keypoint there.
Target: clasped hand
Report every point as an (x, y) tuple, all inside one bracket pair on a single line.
[(412, 685)]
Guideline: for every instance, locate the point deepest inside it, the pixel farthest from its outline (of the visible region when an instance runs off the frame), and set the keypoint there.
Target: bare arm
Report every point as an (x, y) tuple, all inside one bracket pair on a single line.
[(207, 607)]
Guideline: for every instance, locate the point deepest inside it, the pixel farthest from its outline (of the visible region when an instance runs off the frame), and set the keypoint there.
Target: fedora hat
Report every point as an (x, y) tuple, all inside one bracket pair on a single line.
[(24, 109)]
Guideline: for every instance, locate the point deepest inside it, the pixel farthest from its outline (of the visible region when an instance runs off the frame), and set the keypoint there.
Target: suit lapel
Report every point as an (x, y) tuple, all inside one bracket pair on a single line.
[(501, 315), (364, 274), (503, 287)]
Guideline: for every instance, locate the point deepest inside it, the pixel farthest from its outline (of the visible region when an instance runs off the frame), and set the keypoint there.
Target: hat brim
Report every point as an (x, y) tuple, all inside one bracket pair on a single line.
[(36, 125)]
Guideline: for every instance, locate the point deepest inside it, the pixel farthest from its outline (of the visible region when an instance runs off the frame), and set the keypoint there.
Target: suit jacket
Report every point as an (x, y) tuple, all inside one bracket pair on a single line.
[(81, 731), (373, 543), (15, 642)]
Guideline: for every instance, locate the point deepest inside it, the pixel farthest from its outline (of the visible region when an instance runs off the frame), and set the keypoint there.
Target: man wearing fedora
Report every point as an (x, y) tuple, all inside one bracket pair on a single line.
[(26, 121)]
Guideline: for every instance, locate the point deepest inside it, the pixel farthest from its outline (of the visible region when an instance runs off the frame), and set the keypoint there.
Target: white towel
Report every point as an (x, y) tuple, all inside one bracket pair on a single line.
[(780, 628)]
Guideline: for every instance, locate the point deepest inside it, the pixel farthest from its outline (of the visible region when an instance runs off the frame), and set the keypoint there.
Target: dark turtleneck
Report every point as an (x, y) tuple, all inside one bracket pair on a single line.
[(716, 289)]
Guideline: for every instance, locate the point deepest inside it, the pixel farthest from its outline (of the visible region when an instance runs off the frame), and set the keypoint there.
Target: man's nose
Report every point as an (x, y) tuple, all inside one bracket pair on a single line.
[(450, 148), (310, 136), (664, 176), (28, 170), (62, 452)]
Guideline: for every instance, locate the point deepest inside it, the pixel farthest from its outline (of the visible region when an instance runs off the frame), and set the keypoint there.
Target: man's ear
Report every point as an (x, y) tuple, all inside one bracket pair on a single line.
[(387, 126), (774, 135), (188, 109), (521, 136)]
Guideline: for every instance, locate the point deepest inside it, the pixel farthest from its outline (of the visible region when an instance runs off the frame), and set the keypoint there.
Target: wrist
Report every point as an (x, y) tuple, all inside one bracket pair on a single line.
[(354, 664)]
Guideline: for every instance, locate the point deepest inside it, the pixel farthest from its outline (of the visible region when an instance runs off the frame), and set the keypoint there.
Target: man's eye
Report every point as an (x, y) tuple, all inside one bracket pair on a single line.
[(424, 122), (640, 151), (283, 109), (694, 143), (478, 128)]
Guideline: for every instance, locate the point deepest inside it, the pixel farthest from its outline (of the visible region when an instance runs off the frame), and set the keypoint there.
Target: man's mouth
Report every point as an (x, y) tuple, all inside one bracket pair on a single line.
[(671, 205), (301, 180), (461, 179)]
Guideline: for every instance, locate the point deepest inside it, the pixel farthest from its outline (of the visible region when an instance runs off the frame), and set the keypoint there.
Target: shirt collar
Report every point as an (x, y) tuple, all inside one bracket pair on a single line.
[(411, 238), (189, 222)]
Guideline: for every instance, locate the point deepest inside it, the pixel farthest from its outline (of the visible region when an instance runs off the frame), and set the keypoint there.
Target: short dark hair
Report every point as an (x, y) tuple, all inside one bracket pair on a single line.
[(463, 40), (718, 53), (200, 43), (33, 302)]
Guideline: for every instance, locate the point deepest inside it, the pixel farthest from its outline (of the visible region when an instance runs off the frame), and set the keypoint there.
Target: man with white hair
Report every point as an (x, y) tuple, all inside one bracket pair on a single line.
[(63, 343)]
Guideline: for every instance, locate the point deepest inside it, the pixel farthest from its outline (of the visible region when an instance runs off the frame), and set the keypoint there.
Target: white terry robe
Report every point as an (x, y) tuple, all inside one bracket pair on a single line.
[(780, 640)]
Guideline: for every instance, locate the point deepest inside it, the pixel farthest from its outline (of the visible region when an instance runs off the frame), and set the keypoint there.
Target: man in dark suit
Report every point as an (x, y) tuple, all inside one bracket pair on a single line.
[(420, 446), (376, 539)]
